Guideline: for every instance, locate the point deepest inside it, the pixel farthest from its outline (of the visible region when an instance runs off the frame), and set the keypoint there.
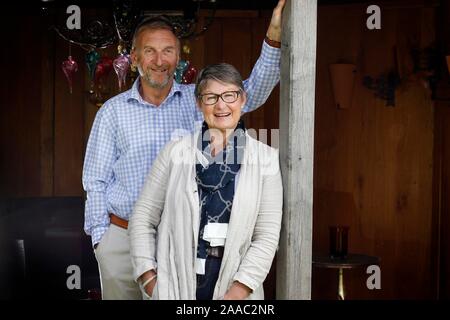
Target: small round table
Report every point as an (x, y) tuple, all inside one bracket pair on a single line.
[(352, 260)]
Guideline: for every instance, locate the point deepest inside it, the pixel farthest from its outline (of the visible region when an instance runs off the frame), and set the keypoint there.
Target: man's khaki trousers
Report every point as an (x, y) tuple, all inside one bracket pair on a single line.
[(114, 262)]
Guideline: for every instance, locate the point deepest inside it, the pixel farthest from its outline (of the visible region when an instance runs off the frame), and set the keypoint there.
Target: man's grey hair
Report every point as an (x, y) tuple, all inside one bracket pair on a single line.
[(222, 72), (154, 23)]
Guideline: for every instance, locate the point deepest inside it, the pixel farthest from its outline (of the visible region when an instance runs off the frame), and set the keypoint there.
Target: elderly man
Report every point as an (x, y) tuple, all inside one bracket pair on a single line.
[(131, 128)]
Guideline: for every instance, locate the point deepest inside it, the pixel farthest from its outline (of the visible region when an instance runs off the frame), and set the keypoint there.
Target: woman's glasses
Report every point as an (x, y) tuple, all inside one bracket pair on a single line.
[(212, 98)]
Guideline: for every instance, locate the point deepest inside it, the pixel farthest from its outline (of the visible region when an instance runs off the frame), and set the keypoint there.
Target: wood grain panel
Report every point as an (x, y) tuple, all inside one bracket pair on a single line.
[(442, 194), (20, 106), (69, 123), (255, 119), (213, 51), (374, 163), (237, 44), (47, 109)]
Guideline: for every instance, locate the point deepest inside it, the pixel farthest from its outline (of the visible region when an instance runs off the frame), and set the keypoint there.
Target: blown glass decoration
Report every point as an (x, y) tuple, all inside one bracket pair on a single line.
[(69, 67)]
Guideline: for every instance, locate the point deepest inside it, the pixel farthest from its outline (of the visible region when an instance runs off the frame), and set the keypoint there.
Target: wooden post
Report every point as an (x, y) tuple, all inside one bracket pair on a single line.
[(298, 69)]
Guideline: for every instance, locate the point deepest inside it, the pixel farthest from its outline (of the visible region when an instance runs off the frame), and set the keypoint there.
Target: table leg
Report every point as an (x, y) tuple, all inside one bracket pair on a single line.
[(341, 289)]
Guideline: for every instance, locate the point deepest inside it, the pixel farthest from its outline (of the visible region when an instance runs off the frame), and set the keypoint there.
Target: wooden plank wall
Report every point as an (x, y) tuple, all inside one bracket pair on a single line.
[(373, 163), (68, 123), (20, 106), (442, 192), (442, 159)]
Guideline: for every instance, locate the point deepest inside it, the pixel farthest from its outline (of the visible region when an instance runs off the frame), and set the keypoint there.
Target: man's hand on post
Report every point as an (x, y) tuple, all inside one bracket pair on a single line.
[(274, 31)]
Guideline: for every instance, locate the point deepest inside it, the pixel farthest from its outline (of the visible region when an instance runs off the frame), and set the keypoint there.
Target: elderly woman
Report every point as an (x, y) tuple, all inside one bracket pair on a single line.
[(207, 223)]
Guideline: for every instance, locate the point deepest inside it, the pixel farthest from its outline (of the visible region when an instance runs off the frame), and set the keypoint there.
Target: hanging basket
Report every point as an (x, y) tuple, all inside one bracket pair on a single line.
[(343, 77)]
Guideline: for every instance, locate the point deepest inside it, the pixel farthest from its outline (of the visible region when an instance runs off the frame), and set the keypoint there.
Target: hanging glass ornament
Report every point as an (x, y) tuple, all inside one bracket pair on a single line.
[(189, 75), (92, 58), (121, 65), (69, 68), (103, 68), (180, 69)]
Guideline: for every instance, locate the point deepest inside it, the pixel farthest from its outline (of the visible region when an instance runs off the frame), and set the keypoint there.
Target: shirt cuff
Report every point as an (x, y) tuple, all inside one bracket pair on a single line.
[(270, 55), (142, 266), (248, 281), (97, 234)]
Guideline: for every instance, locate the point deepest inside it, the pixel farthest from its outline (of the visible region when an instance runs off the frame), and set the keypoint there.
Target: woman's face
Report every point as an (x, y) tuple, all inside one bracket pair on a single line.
[(221, 114)]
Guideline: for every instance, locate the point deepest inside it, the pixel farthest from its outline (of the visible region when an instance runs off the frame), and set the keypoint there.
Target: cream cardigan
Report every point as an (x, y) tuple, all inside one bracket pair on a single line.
[(164, 225)]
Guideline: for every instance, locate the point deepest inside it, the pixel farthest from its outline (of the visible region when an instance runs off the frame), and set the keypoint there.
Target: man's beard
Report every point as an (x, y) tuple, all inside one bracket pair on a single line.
[(147, 77)]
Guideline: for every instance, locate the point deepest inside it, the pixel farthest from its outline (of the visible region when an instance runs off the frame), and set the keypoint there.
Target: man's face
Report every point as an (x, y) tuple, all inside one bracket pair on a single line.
[(156, 55)]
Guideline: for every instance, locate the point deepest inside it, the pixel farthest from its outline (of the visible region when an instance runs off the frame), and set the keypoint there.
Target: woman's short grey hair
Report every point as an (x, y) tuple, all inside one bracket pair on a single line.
[(222, 72)]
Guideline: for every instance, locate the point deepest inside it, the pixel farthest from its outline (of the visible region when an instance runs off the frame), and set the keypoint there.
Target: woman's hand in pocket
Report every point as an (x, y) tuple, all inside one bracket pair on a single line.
[(148, 280)]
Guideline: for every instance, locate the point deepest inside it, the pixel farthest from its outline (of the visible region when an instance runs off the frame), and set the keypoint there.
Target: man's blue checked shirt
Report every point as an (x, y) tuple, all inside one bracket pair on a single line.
[(128, 133)]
